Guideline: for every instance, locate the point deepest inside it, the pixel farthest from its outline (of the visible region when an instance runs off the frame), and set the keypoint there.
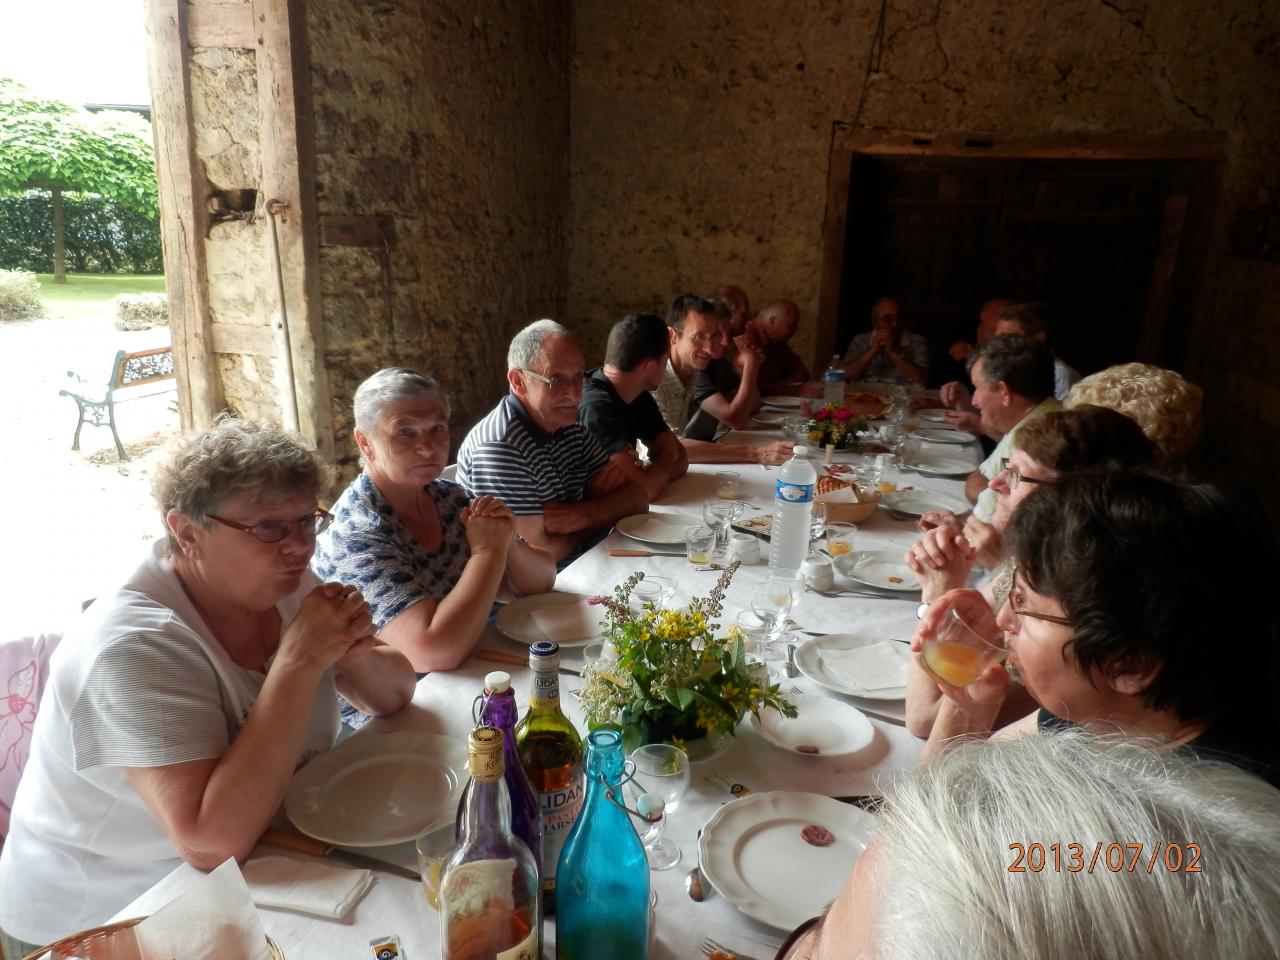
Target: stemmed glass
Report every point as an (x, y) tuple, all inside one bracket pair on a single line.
[(654, 590), (772, 601), (663, 770), (719, 516), (817, 521)]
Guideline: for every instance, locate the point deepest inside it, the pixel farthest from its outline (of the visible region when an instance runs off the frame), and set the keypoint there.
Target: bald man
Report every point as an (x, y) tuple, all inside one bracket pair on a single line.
[(782, 370)]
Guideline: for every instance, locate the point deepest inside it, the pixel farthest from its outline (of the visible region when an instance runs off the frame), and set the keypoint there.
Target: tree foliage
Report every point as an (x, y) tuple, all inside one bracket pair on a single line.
[(48, 144), (102, 236)]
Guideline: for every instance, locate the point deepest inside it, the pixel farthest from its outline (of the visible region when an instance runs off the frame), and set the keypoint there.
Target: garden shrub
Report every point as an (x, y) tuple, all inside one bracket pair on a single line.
[(141, 311), (101, 235), (19, 296)]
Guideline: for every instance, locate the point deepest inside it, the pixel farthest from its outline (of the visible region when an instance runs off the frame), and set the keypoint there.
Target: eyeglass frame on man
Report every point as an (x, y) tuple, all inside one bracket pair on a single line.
[(563, 384), (1015, 613), (1018, 477), (319, 518)]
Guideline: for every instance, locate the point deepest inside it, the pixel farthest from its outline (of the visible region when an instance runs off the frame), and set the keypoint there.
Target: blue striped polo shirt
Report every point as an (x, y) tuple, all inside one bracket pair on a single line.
[(507, 455)]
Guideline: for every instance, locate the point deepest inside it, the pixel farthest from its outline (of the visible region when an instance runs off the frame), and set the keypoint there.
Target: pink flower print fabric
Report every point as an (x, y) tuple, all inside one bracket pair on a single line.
[(24, 668)]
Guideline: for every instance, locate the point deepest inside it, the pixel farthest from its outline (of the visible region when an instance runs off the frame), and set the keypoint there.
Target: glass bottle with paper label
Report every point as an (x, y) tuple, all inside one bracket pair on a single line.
[(490, 898), (551, 752)]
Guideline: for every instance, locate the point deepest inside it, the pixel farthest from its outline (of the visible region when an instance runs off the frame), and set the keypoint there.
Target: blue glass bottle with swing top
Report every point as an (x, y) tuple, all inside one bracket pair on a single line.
[(603, 876)]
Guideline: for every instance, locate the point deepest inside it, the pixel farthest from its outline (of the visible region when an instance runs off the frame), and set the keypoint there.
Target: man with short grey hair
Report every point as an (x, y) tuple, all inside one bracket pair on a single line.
[(533, 453)]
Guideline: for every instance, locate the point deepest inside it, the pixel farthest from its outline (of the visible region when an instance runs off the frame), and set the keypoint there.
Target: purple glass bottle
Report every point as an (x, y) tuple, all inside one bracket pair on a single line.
[(498, 709)]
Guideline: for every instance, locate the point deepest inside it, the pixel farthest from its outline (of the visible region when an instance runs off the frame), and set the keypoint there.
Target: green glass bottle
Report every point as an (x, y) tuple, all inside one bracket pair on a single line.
[(551, 754)]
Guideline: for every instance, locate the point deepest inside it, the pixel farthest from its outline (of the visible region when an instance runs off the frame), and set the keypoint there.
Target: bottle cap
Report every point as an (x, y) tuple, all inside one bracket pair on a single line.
[(484, 754), (650, 806), (544, 655), (497, 682)]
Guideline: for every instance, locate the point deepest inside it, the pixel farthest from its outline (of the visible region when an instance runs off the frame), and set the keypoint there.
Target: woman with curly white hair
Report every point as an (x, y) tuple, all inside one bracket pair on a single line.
[(1164, 404), (178, 709)]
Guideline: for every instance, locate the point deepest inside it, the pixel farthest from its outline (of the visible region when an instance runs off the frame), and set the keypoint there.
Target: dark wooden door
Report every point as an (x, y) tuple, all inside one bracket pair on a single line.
[(944, 234)]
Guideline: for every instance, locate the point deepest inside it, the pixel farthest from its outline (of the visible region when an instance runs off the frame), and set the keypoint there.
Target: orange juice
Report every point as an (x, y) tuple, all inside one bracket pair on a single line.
[(886, 486), (699, 557), (838, 548), (955, 664)]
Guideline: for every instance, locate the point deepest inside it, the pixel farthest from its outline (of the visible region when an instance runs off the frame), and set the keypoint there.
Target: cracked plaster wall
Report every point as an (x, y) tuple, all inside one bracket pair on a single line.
[(453, 121), (701, 132)]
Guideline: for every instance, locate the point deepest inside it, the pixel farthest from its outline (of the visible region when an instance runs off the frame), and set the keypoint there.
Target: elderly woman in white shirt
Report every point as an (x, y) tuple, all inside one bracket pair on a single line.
[(178, 710)]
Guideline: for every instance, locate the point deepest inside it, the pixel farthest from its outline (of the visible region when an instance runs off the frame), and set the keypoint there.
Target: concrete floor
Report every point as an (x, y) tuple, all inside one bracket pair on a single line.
[(71, 518)]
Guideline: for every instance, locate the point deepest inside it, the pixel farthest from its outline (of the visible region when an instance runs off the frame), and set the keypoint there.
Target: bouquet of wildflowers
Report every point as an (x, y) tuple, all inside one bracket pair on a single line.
[(672, 670), (835, 424)]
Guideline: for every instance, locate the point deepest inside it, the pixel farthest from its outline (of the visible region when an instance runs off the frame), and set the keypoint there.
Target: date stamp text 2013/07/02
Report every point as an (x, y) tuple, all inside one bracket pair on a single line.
[(1111, 857)]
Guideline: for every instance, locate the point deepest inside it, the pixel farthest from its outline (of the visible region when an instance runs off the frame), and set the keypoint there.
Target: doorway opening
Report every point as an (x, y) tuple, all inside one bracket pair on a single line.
[(1109, 235)]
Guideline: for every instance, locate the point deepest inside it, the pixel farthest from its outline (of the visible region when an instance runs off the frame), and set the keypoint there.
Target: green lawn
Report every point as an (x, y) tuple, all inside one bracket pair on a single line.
[(88, 295)]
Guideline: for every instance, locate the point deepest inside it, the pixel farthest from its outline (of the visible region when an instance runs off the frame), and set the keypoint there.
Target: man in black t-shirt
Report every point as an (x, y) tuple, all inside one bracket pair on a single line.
[(621, 413)]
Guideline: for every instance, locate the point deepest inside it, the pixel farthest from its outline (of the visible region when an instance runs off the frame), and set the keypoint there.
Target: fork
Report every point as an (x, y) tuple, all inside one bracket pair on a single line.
[(710, 946), (854, 593)]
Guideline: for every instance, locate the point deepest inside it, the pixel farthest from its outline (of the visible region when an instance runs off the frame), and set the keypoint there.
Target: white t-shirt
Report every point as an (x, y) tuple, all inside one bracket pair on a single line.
[(140, 682)]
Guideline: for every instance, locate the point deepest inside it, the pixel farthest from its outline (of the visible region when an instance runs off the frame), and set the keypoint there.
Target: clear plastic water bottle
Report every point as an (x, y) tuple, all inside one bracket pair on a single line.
[(833, 382), (792, 506)]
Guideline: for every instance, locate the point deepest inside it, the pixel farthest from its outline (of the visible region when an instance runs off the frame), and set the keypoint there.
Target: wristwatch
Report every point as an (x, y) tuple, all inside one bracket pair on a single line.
[(921, 609)]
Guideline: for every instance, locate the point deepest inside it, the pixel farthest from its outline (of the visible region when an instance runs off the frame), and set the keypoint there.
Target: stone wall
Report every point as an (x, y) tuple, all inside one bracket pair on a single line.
[(701, 132), (452, 122)]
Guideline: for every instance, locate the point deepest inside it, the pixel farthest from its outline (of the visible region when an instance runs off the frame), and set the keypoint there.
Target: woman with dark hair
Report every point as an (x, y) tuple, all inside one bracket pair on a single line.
[(1112, 619), (1051, 446)]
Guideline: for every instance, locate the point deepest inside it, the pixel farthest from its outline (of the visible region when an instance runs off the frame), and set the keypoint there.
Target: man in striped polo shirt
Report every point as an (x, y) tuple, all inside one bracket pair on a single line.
[(533, 453)]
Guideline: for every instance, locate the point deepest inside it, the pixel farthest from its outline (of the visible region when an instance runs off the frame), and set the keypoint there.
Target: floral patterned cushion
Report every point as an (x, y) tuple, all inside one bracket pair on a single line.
[(24, 667)]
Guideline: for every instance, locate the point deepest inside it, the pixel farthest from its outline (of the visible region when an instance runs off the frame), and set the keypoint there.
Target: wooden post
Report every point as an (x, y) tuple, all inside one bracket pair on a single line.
[(288, 174), (59, 238), (183, 191)]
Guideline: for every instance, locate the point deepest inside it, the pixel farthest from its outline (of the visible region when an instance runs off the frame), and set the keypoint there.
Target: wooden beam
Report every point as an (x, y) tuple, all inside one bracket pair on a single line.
[(839, 171), (1052, 146), (221, 25), (287, 142), (249, 339), (182, 188)]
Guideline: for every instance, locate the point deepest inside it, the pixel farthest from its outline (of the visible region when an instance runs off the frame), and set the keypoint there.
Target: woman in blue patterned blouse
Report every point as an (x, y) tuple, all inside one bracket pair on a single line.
[(429, 563)]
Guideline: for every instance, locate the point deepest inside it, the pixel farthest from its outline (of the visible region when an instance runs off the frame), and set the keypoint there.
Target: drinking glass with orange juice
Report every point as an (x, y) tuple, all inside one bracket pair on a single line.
[(840, 538), (965, 643)]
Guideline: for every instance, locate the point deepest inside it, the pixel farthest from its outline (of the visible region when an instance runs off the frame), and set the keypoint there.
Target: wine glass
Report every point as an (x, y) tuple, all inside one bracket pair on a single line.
[(817, 521), (772, 602), (652, 590), (662, 770), (719, 516)]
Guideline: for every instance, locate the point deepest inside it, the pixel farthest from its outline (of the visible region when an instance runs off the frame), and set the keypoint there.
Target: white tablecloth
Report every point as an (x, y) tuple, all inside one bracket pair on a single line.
[(443, 702)]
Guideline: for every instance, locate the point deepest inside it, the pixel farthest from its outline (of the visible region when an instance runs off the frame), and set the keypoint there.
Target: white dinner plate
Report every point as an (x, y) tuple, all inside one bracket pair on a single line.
[(930, 464), (934, 414), (822, 727), (515, 622), (919, 502), (878, 568), (783, 403), (772, 419), (944, 436), (378, 789), (753, 853), (659, 528), (812, 663)]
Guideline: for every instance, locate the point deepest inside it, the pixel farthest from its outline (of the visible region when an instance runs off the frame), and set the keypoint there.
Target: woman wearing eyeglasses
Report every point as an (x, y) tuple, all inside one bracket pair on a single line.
[(1088, 438), (177, 711), (1112, 620)]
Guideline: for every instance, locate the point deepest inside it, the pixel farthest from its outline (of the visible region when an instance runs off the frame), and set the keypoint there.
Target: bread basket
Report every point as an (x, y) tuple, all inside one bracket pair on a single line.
[(88, 943), (836, 494)]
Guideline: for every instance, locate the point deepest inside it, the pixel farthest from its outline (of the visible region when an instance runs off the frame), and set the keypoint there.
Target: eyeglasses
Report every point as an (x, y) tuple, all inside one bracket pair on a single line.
[(1017, 610), (273, 531), (1016, 478), (556, 383)]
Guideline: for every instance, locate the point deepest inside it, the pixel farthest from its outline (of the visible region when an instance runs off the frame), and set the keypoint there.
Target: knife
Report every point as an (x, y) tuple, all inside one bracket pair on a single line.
[(645, 553), (515, 660), (297, 842)]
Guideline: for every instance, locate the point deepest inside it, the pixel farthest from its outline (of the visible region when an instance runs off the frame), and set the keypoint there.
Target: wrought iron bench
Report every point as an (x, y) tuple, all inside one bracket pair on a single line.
[(97, 402)]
